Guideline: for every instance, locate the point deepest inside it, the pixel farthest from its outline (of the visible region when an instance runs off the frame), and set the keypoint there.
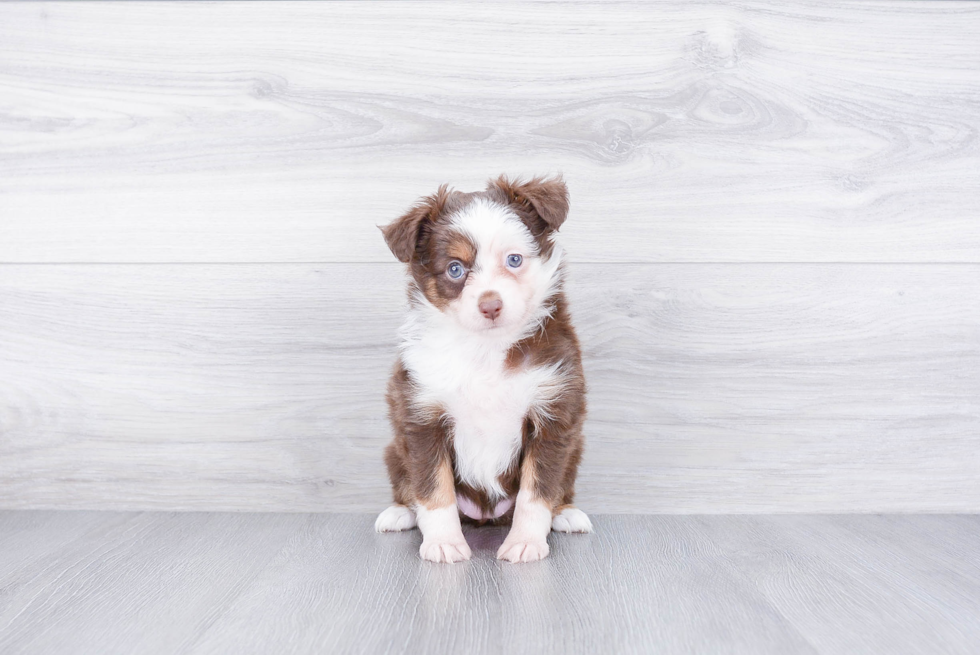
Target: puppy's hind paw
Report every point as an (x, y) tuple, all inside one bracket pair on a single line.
[(571, 519), (395, 519)]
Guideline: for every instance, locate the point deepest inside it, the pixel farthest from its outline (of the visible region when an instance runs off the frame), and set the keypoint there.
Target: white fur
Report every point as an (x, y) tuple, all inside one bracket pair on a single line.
[(395, 519), (442, 535), (456, 357), (497, 233), (571, 519), (527, 540)]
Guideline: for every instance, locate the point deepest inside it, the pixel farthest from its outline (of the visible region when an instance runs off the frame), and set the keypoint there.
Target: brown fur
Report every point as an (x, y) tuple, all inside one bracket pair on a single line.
[(420, 459), (542, 204)]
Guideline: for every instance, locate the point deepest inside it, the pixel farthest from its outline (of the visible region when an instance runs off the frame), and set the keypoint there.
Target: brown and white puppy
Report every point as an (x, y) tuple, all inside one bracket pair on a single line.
[(487, 398)]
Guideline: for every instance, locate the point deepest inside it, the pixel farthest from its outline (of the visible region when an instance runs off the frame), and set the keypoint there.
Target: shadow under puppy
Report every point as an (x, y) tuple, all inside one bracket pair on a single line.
[(487, 398)]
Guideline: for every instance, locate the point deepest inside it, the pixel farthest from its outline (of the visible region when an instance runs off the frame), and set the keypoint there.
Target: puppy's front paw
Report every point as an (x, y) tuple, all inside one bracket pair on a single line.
[(395, 519), (445, 550), (571, 519), (522, 550)]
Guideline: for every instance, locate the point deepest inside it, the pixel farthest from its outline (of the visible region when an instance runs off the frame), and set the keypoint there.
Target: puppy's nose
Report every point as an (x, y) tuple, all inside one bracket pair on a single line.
[(491, 305)]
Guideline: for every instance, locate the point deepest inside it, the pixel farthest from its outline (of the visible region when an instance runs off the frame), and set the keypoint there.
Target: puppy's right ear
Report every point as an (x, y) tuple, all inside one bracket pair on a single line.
[(404, 234)]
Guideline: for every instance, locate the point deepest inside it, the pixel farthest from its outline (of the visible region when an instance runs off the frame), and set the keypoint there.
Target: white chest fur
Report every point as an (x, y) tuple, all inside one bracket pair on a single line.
[(466, 377)]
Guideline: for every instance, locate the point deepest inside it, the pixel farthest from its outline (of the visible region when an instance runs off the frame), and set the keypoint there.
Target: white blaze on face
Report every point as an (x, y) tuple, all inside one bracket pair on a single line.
[(497, 233)]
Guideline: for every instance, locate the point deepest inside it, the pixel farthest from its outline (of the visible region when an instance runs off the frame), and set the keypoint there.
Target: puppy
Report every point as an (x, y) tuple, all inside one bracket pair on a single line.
[(487, 397)]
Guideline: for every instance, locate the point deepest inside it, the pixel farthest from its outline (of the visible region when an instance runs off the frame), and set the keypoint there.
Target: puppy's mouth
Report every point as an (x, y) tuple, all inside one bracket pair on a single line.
[(492, 325)]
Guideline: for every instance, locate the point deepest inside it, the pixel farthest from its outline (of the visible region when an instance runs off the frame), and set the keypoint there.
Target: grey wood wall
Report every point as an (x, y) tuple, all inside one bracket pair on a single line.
[(775, 239)]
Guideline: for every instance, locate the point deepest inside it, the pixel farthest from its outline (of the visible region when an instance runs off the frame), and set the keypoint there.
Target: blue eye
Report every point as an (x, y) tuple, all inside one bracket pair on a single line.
[(514, 261), (455, 270)]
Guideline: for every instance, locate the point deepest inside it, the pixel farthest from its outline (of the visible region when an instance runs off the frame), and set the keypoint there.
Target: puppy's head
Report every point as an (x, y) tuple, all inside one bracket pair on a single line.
[(485, 259)]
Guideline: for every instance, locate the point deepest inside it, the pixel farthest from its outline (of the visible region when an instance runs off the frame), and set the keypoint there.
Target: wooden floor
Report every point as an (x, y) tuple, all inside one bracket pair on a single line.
[(102, 582)]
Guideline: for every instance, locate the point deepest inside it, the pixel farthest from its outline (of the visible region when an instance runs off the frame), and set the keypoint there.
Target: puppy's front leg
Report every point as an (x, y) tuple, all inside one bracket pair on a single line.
[(438, 519), (527, 540)]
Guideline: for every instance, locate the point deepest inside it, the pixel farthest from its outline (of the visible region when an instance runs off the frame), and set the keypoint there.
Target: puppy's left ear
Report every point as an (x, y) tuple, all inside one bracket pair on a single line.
[(405, 234), (545, 199)]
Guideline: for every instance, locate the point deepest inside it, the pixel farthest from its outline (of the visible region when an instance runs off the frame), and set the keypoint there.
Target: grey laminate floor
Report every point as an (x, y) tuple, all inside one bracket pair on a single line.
[(98, 582)]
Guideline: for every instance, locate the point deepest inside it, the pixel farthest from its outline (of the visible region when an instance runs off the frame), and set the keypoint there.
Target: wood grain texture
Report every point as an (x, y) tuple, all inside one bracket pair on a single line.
[(688, 132), (713, 388), (880, 581), (136, 584), (297, 583)]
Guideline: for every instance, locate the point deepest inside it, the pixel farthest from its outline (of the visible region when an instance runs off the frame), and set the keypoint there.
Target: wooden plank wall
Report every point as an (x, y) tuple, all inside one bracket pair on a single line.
[(775, 237)]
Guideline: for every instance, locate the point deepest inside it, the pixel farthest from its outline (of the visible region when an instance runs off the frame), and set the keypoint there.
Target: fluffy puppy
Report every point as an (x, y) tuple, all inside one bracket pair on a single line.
[(487, 397)]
